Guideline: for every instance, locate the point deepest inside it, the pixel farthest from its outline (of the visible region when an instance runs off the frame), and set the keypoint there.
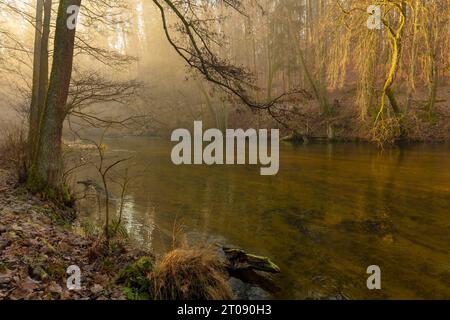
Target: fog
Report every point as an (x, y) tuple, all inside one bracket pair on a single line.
[(279, 47)]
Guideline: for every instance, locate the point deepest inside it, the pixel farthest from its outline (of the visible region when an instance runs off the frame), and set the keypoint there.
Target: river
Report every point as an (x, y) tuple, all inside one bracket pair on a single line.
[(332, 211)]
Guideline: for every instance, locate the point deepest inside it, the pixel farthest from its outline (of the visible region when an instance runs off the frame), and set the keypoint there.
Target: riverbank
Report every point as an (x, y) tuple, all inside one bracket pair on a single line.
[(38, 244), (37, 247)]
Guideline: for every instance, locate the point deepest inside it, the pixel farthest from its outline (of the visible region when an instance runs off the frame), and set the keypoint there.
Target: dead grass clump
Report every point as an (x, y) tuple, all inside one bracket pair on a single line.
[(13, 147), (190, 274)]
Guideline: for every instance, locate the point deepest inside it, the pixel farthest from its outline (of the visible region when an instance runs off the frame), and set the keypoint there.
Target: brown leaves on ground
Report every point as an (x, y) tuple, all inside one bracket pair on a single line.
[(35, 253)]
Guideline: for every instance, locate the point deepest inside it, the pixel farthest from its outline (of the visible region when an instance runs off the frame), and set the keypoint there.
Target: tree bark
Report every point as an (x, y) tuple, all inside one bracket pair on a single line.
[(43, 78), (35, 91), (39, 90), (46, 172)]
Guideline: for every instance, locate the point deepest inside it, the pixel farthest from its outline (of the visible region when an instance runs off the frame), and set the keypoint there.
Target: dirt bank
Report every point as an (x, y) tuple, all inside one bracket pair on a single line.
[(36, 248)]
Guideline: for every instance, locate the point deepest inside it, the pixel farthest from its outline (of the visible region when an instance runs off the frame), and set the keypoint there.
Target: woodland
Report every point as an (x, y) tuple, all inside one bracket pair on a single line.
[(326, 71), (313, 68)]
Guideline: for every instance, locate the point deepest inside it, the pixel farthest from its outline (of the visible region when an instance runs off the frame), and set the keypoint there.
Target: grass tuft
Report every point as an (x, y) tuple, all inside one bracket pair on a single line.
[(190, 274)]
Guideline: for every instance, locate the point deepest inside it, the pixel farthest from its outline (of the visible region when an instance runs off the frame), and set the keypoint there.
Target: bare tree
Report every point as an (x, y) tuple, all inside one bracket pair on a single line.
[(40, 73), (46, 170)]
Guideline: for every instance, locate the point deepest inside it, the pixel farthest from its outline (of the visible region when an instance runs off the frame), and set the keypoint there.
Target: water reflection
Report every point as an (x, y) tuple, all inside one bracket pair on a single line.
[(332, 211)]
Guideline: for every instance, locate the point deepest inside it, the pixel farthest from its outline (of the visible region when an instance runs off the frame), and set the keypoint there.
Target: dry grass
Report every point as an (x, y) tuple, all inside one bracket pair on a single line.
[(13, 146), (190, 274)]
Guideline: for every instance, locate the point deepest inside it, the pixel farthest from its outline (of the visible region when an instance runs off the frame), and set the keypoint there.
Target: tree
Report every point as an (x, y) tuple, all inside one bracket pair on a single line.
[(198, 47), (45, 173), (40, 73)]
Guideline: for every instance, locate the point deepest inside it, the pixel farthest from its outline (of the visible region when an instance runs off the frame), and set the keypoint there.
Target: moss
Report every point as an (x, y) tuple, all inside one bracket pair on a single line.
[(243, 259), (35, 183), (36, 267), (136, 294), (136, 284), (266, 262), (108, 264), (39, 273), (48, 245), (62, 218), (90, 229), (56, 218), (67, 196)]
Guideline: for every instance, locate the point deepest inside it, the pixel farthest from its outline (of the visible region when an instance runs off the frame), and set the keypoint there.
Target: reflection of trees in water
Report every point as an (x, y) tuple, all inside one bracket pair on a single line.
[(324, 218), (209, 196), (129, 218), (139, 222)]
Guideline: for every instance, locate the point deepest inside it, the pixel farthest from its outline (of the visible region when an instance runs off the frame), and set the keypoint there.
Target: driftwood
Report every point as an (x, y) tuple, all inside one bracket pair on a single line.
[(239, 260)]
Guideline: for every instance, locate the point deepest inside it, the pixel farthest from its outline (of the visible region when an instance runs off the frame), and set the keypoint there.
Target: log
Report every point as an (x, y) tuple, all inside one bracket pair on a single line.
[(238, 259)]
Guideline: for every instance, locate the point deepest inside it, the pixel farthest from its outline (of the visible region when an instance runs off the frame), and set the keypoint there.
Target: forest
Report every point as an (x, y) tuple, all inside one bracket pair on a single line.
[(90, 92)]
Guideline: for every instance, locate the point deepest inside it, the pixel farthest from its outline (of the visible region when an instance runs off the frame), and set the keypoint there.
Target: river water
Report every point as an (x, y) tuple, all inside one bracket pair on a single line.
[(332, 211)]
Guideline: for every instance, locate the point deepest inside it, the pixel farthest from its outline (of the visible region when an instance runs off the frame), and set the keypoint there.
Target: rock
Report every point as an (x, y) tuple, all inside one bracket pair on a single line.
[(245, 291)]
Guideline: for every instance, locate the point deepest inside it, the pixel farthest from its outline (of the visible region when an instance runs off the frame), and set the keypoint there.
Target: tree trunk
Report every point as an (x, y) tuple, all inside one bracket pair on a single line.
[(35, 91), (43, 78), (393, 101), (434, 72), (46, 172), (40, 86), (413, 59), (433, 89)]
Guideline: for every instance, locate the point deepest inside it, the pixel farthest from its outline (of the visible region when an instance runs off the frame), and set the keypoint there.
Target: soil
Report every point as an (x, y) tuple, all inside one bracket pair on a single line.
[(37, 247)]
